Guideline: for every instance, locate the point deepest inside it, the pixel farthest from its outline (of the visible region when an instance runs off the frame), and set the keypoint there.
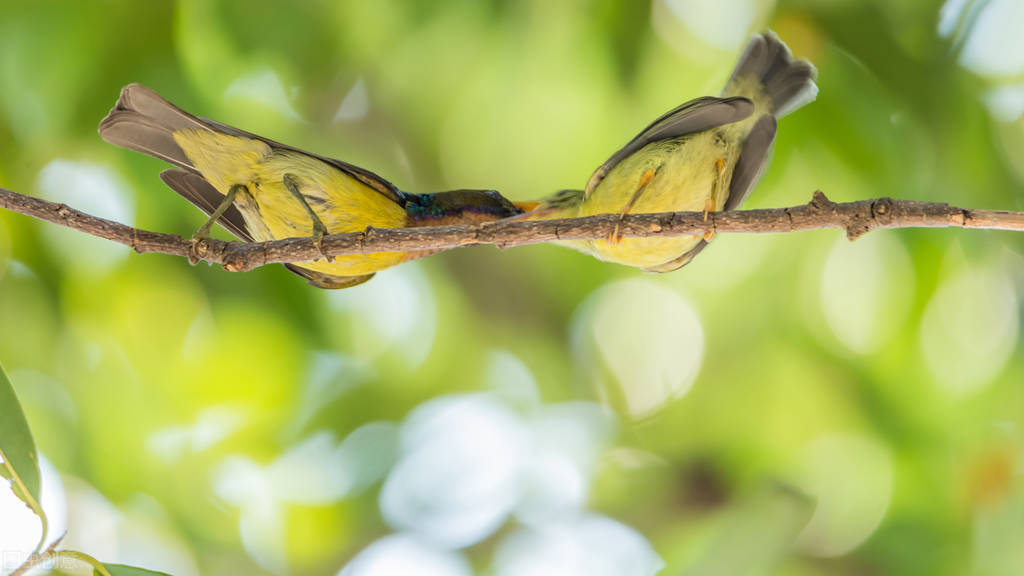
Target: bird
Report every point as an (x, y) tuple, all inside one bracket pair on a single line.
[(262, 190), (704, 155)]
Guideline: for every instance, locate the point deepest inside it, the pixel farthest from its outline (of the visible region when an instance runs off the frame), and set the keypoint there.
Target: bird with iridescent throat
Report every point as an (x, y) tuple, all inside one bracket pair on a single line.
[(261, 190)]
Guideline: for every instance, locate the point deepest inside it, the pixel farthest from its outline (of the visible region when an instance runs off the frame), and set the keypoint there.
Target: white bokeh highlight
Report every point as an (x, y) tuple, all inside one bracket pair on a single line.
[(329, 377), (724, 24), (987, 35), (213, 425), (851, 479), (994, 46), (317, 471), (568, 440), (396, 312), (244, 484), (949, 16), (262, 87), (141, 533), (93, 521), (403, 555), (1006, 103), (459, 473), (649, 339), (469, 464), (586, 545), (19, 526), (93, 189), (970, 326), (867, 288), (512, 381), (355, 105), (321, 471)]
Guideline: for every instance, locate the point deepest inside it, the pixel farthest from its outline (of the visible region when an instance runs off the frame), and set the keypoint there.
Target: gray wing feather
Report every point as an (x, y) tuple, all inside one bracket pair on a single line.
[(142, 135), (145, 102), (143, 121), (752, 161), (363, 175), (677, 263), (748, 169), (328, 281), (694, 116), (204, 196)]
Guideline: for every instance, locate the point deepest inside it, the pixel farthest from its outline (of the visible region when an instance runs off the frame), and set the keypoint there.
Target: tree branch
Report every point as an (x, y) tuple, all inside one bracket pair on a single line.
[(856, 218)]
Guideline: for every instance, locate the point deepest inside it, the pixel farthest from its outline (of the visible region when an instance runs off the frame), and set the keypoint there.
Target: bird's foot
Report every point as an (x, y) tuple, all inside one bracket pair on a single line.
[(198, 248), (709, 207), (319, 231), (615, 237)]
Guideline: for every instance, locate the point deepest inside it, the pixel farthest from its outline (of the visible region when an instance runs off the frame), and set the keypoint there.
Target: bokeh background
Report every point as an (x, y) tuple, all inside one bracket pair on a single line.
[(792, 405)]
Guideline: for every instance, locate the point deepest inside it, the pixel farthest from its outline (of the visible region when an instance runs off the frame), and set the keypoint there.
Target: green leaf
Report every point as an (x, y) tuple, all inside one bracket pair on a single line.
[(18, 450), (103, 569), (122, 570)]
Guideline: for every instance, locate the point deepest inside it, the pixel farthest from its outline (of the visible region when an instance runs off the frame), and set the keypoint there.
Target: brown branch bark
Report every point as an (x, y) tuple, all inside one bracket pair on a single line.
[(856, 218)]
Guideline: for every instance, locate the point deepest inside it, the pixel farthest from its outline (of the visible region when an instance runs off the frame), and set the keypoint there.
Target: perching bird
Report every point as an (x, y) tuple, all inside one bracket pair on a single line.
[(261, 190), (705, 155)]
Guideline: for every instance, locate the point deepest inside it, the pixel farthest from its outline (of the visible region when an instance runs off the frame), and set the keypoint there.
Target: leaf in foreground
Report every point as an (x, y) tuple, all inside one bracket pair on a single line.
[(18, 450), (122, 570)]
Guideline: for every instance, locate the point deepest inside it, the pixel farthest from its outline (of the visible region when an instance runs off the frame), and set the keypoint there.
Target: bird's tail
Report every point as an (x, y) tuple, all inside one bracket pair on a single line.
[(145, 122), (768, 75)]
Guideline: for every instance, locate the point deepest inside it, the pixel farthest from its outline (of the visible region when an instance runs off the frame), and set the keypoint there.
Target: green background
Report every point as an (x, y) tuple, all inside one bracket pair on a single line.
[(882, 380)]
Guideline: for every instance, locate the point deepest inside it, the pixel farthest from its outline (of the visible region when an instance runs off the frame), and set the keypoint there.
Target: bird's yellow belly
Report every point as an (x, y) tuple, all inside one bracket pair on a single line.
[(644, 252), (341, 202), (691, 177), (272, 212)]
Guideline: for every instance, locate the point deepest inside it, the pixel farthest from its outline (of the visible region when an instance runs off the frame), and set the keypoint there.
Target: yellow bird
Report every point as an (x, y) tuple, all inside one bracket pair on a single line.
[(704, 155), (261, 190)]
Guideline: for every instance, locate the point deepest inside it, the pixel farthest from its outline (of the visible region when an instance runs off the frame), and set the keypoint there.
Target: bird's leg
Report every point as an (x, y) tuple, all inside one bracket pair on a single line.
[(319, 230), (709, 204), (204, 230), (616, 236)]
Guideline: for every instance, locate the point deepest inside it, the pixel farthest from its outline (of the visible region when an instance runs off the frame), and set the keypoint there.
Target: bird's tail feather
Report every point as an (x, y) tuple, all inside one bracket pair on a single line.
[(787, 83), (145, 122)]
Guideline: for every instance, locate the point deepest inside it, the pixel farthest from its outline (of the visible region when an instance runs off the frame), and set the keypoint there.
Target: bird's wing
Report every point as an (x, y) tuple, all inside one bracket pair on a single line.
[(363, 175), (144, 121), (748, 168), (689, 118), (752, 161), (327, 281), (677, 263), (204, 196)]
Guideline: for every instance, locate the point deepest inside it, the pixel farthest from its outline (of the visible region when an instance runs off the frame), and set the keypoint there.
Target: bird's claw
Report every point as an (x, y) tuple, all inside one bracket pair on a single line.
[(615, 238), (318, 239), (197, 248), (709, 207)]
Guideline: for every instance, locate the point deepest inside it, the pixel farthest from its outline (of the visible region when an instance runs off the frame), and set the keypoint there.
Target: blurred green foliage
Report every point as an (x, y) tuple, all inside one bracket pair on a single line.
[(882, 379)]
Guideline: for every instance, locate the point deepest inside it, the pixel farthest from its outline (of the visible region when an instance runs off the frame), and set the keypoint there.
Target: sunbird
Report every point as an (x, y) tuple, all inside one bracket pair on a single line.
[(262, 190), (704, 155)]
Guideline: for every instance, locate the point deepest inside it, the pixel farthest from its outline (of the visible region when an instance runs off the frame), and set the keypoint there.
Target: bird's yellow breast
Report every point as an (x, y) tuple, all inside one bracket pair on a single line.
[(687, 175), (272, 212)]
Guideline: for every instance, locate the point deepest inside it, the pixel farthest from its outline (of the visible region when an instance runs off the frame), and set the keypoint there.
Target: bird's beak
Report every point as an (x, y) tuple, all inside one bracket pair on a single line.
[(526, 206)]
